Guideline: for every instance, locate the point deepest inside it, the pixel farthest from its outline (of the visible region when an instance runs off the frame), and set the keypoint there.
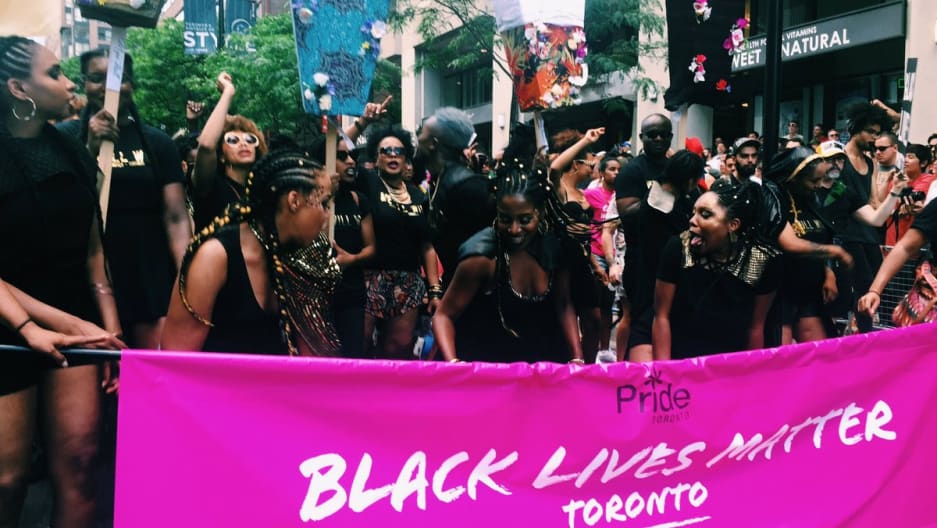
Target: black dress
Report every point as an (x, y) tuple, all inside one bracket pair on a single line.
[(712, 307), (480, 330), (48, 202), (240, 324)]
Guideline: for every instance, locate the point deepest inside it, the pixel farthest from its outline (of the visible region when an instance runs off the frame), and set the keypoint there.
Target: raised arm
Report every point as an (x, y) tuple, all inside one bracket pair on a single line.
[(876, 217), (566, 158), (906, 247), (206, 159)]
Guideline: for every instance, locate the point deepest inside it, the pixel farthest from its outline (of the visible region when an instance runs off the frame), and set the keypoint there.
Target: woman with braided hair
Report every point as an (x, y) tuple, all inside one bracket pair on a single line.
[(509, 299), (714, 284), (52, 253), (147, 227), (236, 288)]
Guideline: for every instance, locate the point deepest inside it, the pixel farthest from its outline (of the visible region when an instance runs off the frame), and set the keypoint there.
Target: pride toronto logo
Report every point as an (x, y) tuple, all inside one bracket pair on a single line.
[(664, 401)]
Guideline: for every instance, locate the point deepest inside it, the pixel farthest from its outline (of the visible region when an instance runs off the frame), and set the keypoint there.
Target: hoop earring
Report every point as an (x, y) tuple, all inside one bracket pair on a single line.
[(31, 114)]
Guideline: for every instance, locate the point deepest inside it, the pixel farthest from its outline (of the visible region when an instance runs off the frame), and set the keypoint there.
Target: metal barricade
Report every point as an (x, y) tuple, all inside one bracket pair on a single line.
[(898, 286)]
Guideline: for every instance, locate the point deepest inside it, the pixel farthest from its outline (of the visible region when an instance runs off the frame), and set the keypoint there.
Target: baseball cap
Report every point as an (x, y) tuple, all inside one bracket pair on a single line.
[(745, 142), (829, 149)]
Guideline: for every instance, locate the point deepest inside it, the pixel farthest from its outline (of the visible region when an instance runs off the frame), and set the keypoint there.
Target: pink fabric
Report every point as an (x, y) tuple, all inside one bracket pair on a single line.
[(598, 198), (842, 434)]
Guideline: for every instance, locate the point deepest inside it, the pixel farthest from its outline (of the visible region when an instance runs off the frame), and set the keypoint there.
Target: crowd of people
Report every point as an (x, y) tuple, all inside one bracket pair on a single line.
[(230, 241)]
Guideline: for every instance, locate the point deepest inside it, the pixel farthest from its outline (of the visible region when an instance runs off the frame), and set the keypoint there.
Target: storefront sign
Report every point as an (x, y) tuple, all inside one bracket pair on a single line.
[(832, 433), (865, 27)]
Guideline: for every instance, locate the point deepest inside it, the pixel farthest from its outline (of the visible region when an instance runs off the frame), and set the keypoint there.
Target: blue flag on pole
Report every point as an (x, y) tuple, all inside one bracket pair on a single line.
[(200, 35), (338, 43)]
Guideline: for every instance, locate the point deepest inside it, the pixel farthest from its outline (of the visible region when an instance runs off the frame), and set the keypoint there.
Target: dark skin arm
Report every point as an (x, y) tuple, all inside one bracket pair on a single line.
[(471, 276), (566, 314)]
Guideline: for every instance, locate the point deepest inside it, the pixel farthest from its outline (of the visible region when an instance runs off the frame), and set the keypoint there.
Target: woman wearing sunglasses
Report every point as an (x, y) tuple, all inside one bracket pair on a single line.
[(395, 289), (148, 226), (227, 149)]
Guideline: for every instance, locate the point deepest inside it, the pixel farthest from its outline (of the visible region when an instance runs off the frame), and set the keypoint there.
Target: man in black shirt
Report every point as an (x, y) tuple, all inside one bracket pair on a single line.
[(460, 201), (866, 123), (631, 187)]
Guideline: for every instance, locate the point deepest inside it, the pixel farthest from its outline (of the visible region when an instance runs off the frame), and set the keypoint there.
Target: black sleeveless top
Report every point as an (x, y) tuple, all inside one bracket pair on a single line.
[(240, 324), (480, 332)]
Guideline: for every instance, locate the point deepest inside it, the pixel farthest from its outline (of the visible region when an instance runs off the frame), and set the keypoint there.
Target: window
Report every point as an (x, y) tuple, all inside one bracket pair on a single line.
[(104, 34), (467, 88)]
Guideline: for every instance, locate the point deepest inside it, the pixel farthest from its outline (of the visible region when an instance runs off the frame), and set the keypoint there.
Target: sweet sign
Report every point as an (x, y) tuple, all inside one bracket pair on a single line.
[(834, 433)]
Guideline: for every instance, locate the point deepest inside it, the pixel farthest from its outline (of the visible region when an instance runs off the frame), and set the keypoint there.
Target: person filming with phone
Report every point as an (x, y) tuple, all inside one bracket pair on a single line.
[(917, 159)]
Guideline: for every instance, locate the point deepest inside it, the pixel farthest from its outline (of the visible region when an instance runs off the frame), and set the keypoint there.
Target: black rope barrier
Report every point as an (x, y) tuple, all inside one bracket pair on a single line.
[(82, 354)]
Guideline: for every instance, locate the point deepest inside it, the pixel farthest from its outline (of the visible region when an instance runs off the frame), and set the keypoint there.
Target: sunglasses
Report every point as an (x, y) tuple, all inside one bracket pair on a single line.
[(883, 149), (343, 155), (99, 78), (657, 135), (392, 151), (590, 164), (233, 138)]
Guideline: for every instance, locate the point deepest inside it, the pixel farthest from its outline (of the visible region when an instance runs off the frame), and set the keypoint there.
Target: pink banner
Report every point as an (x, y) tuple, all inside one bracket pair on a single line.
[(837, 433)]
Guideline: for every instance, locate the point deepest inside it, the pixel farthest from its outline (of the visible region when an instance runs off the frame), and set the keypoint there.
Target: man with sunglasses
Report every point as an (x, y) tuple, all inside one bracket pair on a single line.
[(460, 199), (888, 162), (631, 188)]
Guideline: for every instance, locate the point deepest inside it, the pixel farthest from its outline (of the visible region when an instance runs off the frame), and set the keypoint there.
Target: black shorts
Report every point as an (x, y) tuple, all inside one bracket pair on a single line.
[(641, 332)]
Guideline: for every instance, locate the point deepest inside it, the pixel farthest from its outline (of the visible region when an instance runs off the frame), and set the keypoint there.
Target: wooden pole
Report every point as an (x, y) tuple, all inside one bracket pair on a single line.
[(540, 130), (115, 74)]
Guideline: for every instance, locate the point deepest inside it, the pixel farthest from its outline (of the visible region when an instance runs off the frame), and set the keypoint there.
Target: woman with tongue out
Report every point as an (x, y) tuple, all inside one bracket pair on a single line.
[(714, 287)]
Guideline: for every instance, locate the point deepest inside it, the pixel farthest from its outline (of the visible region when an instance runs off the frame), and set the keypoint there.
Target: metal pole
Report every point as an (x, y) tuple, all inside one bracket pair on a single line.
[(221, 24), (70, 353), (773, 79)]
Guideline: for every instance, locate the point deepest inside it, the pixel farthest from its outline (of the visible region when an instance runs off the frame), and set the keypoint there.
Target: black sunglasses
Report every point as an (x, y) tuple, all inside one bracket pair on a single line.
[(392, 151), (99, 78), (343, 155)]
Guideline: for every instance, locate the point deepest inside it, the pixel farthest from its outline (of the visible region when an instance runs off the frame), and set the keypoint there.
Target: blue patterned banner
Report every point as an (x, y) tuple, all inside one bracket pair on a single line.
[(338, 43), (200, 36)]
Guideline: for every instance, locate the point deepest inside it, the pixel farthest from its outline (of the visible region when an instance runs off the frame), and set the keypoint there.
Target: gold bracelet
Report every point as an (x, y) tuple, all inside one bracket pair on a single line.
[(578, 361)]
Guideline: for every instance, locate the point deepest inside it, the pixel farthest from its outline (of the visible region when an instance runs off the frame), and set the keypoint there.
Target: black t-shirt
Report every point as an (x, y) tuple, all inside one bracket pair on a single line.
[(399, 230), (348, 217), (926, 222), (633, 182), (803, 276), (837, 204), (139, 256), (861, 184), (655, 230), (213, 202), (712, 310)]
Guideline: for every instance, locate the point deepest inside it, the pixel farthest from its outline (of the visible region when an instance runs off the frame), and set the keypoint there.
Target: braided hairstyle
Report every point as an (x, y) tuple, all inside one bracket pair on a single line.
[(742, 201), (16, 56), (273, 176)]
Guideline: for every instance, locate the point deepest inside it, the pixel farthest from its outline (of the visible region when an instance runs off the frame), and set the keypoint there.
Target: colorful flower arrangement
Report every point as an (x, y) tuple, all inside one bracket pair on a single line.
[(322, 92), (696, 66), (703, 11), (548, 64), (374, 31), (736, 40)]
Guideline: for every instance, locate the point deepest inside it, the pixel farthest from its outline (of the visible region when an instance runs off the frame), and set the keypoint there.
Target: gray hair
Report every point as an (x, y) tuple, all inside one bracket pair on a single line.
[(453, 128)]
